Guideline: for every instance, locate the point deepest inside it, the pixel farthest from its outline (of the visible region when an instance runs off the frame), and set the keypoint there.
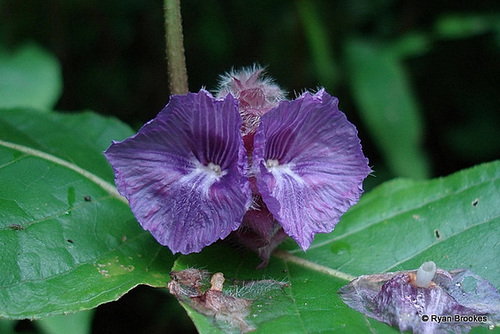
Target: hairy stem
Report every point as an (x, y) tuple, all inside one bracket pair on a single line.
[(176, 62)]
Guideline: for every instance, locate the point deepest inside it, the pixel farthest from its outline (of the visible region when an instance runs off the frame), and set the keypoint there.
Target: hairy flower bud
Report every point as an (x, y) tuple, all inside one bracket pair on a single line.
[(256, 94)]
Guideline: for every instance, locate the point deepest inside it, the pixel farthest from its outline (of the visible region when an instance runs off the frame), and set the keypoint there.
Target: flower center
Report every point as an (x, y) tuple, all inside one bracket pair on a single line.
[(214, 168), (270, 163)]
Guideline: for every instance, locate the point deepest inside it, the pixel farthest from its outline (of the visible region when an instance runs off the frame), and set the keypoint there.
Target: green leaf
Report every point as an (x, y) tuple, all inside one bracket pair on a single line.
[(7, 326), (319, 44), (454, 221), (30, 77), (411, 44), (453, 26), (77, 323), (387, 106), (89, 134), (69, 241)]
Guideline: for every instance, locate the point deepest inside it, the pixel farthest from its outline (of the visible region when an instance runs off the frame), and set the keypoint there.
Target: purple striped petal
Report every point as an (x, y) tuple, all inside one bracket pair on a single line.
[(184, 172), (309, 165)]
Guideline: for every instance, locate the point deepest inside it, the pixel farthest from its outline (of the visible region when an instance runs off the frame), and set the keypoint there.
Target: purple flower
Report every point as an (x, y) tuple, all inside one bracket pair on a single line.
[(309, 165), (184, 172), (206, 166)]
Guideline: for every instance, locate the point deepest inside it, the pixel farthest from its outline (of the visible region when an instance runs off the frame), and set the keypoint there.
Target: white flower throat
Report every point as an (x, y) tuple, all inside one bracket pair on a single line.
[(270, 163)]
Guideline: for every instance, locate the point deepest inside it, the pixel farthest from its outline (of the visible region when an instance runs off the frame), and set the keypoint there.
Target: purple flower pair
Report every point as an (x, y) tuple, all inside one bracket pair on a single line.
[(247, 160)]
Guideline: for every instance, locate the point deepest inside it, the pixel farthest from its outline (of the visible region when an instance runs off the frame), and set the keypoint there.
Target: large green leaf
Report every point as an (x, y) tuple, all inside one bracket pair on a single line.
[(387, 106), (30, 77), (454, 221), (68, 240)]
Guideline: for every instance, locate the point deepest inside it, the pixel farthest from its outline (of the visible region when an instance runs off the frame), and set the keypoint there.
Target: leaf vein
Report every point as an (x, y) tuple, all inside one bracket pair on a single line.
[(286, 256), (42, 155), (297, 312)]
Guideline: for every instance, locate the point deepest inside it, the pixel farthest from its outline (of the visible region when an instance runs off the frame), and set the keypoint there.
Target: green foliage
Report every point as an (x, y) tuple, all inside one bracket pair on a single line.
[(29, 77), (467, 25), (77, 323), (6, 326), (69, 241), (388, 107), (324, 67)]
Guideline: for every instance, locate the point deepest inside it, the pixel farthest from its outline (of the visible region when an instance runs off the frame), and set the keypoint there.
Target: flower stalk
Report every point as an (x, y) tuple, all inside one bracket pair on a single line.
[(176, 61)]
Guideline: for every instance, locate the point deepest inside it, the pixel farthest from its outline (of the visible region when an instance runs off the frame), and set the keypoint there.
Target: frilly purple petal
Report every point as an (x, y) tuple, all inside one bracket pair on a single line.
[(309, 165), (184, 172)]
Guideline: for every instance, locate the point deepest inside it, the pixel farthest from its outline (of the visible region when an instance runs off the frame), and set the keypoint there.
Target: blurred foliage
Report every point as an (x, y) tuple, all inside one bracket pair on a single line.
[(29, 78), (442, 57), (77, 323)]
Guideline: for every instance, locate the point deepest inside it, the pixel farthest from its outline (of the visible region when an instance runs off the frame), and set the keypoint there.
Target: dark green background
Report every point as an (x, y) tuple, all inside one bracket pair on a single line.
[(112, 54)]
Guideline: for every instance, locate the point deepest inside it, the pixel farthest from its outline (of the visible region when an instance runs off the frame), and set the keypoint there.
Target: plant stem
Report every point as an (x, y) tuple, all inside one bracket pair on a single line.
[(176, 62)]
